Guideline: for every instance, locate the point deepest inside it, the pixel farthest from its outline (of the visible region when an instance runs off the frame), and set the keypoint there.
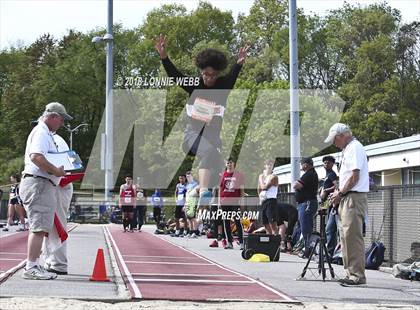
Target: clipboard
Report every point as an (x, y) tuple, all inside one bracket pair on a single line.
[(70, 160)]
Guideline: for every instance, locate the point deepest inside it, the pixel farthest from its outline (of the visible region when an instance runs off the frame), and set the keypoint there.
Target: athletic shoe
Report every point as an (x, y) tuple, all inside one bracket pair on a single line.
[(214, 244), (131, 230), (38, 273), (21, 227), (175, 234), (52, 270), (193, 236), (350, 282), (229, 246), (224, 243), (5, 229), (241, 246)]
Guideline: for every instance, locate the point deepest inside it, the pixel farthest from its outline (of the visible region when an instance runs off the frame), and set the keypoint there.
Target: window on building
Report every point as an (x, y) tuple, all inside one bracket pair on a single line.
[(411, 175), (415, 175)]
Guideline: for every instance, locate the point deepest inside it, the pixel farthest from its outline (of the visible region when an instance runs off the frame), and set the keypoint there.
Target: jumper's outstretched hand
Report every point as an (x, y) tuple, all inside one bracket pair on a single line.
[(160, 45), (242, 53)]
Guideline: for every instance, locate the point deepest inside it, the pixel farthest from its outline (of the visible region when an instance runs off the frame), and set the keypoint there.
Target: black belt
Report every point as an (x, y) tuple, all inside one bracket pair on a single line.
[(26, 175), (352, 192)]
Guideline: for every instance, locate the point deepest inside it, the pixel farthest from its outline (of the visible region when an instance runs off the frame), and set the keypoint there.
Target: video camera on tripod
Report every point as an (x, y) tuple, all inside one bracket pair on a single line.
[(323, 252)]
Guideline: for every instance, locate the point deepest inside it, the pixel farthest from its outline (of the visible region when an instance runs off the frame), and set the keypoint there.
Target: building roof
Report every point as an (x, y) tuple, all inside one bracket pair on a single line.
[(381, 148)]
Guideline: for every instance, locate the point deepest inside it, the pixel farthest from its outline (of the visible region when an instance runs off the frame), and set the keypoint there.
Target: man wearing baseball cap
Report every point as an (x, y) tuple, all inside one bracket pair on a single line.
[(38, 188), (351, 196)]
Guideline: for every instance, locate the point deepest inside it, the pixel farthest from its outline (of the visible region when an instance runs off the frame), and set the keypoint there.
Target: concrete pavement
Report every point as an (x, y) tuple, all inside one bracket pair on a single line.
[(83, 242)]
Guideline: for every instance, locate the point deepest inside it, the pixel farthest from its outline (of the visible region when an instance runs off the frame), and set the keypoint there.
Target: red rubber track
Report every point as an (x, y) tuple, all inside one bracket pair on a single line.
[(13, 248), (154, 268)]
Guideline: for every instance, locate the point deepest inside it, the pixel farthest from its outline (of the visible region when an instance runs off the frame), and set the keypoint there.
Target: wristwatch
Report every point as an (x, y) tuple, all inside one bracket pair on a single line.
[(340, 194)]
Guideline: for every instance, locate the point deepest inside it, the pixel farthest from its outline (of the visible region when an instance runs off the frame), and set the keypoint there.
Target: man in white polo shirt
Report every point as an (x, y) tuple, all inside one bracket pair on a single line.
[(38, 188), (352, 199)]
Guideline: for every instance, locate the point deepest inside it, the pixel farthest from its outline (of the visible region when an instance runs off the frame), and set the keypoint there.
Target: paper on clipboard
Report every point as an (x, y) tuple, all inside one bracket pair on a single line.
[(70, 160)]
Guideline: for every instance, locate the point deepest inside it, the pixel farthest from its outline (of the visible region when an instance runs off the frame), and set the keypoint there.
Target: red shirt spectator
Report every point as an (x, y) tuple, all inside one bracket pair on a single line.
[(230, 188)]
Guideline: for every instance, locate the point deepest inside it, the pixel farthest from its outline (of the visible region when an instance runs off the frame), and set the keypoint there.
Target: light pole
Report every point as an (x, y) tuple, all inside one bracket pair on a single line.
[(294, 96), (108, 148), (71, 130)]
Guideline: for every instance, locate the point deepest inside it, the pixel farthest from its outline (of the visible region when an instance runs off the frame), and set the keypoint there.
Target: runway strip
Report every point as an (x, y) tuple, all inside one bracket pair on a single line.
[(154, 268)]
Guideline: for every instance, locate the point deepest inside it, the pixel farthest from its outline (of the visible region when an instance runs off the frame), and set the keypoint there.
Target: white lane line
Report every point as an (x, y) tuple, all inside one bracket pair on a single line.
[(171, 257), (136, 290), (18, 259), (19, 232), (186, 275), (287, 298), (11, 234), (11, 271), (190, 281), (166, 263), (5, 275)]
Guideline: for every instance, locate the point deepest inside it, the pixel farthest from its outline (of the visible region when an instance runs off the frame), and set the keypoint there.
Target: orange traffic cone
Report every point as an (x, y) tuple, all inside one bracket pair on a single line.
[(99, 270)]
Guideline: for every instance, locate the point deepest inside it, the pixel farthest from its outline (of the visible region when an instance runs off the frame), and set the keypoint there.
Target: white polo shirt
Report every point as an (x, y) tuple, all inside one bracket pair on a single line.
[(354, 157), (40, 141), (62, 145)]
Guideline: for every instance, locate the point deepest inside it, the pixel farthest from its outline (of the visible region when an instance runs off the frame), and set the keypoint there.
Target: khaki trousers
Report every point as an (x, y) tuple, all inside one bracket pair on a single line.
[(351, 212)]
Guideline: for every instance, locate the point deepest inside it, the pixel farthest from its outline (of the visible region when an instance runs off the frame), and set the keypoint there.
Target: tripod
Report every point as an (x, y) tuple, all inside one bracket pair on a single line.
[(323, 252)]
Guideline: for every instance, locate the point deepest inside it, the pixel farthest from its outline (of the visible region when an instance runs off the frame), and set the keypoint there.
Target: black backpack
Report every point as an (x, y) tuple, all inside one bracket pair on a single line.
[(375, 255)]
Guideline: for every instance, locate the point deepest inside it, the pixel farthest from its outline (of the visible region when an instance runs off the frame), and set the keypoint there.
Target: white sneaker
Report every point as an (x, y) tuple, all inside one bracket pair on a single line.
[(38, 273)]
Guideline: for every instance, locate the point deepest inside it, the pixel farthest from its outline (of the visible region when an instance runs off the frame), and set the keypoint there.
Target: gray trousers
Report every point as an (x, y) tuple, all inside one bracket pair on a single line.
[(55, 251)]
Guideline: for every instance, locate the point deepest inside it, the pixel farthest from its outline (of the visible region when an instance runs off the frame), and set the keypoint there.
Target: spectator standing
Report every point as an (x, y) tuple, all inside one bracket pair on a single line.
[(127, 202), (328, 187), (15, 205), (268, 184), (157, 202), (306, 196), (352, 199), (180, 193), (191, 204), (38, 188), (139, 212), (231, 193)]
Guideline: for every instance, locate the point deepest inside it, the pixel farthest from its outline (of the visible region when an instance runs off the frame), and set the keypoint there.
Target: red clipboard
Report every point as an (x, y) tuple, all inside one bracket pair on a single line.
[(68, 178)]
